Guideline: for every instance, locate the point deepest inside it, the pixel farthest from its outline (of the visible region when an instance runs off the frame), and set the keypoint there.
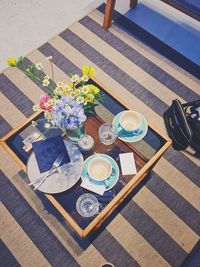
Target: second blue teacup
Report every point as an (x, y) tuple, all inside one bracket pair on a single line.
[(130, 121)]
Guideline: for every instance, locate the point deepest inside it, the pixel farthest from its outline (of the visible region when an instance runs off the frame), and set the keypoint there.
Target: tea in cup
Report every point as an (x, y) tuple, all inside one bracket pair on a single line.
[(99, 168), (130, 120)]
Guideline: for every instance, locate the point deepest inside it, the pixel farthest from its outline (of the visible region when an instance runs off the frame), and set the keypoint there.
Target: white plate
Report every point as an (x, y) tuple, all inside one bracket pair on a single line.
[(58, 182)]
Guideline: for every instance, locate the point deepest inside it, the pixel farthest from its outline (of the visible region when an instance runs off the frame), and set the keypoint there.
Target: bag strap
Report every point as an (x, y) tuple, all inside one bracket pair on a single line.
[(194, 112), (195, 103), (194, 154)]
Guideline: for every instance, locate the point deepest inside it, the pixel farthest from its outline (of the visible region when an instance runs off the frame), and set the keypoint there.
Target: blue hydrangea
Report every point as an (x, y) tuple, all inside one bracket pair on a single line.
[(68, 113)]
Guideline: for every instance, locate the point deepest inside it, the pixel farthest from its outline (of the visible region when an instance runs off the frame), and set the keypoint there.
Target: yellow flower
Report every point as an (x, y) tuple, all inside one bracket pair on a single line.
[(12, 61), (89, 98), (93, 88), (88, 70), (49, 58), (46, 77)]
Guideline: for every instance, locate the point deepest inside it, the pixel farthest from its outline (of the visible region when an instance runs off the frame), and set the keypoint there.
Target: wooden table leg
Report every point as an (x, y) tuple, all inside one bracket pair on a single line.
[(133, 3), (110, 4)]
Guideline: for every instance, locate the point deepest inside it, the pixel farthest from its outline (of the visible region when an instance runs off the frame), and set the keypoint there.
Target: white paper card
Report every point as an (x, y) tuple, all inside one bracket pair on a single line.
[(87, 184), (35, 136), (127, 163)]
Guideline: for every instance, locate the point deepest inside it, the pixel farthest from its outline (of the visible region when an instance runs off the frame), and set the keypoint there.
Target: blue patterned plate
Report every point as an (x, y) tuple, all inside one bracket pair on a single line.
[(131, 137), (108, 183)]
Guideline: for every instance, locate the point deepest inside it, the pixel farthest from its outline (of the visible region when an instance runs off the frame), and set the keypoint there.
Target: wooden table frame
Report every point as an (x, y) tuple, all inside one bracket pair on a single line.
[(117, 199)]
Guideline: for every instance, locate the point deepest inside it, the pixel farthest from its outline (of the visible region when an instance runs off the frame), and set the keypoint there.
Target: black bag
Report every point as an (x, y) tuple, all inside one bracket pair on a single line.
[(182, 124)]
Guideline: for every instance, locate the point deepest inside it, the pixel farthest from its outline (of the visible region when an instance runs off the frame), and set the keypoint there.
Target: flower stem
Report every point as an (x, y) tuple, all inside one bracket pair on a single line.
[(52, 71)]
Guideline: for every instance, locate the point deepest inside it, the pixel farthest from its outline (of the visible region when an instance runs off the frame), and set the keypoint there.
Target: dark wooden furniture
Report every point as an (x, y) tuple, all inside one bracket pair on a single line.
[(110, 4)]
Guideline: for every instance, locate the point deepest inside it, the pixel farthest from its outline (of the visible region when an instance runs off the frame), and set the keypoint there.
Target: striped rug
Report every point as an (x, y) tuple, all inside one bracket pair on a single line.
[(158, 226)]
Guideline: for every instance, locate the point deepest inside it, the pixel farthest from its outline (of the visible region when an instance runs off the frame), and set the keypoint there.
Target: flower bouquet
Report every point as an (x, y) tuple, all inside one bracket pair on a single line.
[(65, 105)]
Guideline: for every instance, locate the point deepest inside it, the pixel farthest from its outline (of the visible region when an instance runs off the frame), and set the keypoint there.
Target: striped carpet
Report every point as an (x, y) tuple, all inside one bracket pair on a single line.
[(158, 226)]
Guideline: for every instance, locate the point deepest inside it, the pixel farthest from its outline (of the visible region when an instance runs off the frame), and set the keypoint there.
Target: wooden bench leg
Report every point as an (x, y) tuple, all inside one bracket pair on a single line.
[(133, 3), (110, 4)]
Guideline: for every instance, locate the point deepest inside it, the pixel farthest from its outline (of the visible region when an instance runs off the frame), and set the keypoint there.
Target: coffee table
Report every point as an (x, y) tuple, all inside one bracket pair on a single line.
[(147, 152)]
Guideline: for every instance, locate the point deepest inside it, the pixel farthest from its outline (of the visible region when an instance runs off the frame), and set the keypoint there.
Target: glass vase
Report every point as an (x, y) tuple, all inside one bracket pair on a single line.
[(74, 134)]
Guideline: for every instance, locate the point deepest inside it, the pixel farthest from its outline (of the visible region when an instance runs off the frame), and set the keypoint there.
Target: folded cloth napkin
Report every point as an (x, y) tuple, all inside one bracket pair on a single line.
[(46, 152)]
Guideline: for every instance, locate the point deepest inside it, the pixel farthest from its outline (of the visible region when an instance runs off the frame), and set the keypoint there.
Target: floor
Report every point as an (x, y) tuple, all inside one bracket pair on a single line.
[(20, 34), (25, 25), (29, 24)]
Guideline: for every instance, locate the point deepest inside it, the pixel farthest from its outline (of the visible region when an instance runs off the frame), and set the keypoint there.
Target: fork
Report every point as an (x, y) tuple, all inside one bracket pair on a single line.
[(55, 165), (59, 169), (40, 178)]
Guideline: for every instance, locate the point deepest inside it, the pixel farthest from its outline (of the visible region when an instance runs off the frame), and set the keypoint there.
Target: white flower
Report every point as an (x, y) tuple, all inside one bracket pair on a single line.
[(70, 89), (45, 82), (36, 107), (58, 90), (74, 78), (66, 87), (60, 84), (71, 94), (47, 125), (80, 99), (48, 103), (85, 89), (34, 123), (39, 66), (48, 115), (84, 78)]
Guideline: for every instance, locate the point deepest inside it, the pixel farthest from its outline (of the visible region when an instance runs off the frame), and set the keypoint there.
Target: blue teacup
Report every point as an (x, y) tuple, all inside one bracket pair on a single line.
[(130, 121), (99, 168)]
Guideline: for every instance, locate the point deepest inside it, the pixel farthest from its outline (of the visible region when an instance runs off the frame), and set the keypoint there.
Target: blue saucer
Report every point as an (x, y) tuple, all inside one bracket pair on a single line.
[(128, 136), (111, 181)]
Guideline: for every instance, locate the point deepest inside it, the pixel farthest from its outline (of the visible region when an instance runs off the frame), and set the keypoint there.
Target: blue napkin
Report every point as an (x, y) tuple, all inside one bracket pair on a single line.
[(107, 196), (46, 151)]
